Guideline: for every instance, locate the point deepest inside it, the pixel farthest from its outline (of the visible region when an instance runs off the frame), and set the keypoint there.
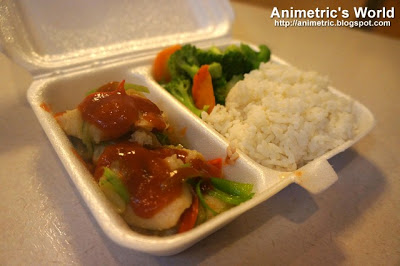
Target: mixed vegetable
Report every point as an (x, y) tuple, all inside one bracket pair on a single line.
[(202, 78), (154, 184)]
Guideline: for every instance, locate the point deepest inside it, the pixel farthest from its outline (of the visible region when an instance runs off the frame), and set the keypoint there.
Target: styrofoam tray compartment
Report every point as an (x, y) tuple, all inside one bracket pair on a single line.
[(315, 176), (66, 91), (68, 59)]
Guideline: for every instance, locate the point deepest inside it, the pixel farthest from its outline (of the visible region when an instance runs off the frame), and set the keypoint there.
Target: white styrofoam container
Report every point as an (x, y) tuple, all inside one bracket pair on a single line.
[(65, 72)]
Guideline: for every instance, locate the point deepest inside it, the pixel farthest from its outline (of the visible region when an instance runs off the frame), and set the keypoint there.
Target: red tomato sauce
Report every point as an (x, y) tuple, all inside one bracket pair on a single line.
[(115, 113), (45, 107), (150, 181)]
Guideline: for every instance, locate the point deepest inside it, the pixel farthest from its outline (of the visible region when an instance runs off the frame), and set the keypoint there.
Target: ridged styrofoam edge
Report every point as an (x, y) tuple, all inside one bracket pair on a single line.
[(66, 90)]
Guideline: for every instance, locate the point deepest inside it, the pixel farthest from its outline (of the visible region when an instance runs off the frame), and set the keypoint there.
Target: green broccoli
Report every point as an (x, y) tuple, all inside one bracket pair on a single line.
[(226, 68), (239, 60), (180, 89), (222, 87), (184, 63), (264, 55), (209, 56), (219, 86), (215, 70), (234, 62), (254, 58)]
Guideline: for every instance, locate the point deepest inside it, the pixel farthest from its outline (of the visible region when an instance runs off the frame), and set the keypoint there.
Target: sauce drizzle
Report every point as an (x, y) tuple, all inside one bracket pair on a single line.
[(115, 113), (150, 181)]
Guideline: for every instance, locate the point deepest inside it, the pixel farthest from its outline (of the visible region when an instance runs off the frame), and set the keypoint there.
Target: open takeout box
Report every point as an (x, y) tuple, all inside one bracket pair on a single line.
[(73, 46)]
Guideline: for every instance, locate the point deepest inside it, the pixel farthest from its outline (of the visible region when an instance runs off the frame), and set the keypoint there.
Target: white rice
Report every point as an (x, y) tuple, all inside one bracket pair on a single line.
[(283, 117)]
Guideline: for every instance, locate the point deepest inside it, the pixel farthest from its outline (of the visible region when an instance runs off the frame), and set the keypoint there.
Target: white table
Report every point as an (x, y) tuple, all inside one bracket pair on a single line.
[(356, 221)]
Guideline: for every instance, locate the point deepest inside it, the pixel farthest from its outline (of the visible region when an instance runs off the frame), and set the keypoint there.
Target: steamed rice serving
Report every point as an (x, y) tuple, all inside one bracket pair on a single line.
[(283, 117)]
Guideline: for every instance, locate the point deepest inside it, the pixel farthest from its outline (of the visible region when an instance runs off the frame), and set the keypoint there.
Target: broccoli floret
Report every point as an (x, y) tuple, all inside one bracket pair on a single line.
[(233, 81), (222, 87), (215, 70), (215, 50), (180, 89), (184, 62), (264, 55), (250, 54), (226, 68), (255, 58), (232, 48), (209, 56), (239, 60), (234, 62), (219, 86), (191, 70)]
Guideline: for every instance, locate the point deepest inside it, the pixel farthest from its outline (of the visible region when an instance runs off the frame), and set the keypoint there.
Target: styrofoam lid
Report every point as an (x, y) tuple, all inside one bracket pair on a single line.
[(46, 35)]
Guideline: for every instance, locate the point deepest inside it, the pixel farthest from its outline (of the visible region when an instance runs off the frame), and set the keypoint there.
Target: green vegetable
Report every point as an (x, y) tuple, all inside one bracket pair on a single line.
[(183, 63), (91, 91), (162, 138), (222, 88), (185, 165), (264, 55), (255, 58), (180, 89), (111, 179), (233, 188), (230, 192), (127, 86), (239, 60), (206, 57), (231, 199), (118, 203), (136, 87), (215, 70), (202, 215), (234, 62), (233, 81), (226, 67), (87, 138), (201, 198)]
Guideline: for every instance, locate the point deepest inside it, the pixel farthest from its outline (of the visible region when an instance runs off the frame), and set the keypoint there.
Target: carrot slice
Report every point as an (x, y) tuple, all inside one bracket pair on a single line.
[(202, 89), (189, 216), (217, 164), (121, 85), (160, 65)]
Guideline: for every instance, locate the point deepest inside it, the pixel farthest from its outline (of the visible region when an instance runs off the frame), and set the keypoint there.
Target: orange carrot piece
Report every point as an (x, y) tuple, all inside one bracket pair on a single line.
[(121, 85), (160, 64), (217, 164), (202, 89), (189, 216)]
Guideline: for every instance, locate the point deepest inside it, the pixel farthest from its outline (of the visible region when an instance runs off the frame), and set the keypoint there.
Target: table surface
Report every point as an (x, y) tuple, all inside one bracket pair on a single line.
[(356, 221)]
